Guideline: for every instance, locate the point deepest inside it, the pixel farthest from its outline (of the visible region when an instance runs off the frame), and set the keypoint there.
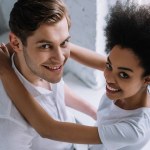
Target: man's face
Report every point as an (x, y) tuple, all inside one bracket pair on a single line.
[(47, 51)]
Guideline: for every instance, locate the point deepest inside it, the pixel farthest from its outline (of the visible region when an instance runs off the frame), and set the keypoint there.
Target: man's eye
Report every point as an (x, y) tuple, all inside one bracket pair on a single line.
[(45, 46), (108, 66), (65, 43), (123, 75)]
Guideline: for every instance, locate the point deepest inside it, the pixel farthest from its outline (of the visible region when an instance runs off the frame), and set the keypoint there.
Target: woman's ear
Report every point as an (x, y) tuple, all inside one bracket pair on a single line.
[(15, 42)]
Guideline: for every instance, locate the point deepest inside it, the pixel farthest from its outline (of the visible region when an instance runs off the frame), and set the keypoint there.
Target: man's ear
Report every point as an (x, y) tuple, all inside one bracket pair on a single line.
[(15, 42), (147, 80)]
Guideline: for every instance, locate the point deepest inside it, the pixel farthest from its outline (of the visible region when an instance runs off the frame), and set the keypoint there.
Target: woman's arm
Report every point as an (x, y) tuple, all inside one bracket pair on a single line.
[(87, 57), (38, 117), (76, 102), (9, 47)]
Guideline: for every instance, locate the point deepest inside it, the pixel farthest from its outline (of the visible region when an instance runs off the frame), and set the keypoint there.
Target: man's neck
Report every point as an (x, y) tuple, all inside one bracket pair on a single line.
[(28, 75), (44, 84)]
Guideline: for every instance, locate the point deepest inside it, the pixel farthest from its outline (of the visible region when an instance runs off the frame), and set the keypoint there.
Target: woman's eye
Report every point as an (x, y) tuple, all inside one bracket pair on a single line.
[(123, 75), (108, 66)]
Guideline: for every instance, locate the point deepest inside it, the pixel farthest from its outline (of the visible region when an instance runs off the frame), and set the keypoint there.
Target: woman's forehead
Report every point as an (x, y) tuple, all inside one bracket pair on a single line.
[(124, 57)]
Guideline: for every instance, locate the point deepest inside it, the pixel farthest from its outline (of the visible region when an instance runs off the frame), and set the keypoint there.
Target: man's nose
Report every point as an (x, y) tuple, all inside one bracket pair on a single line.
[(58, 55)]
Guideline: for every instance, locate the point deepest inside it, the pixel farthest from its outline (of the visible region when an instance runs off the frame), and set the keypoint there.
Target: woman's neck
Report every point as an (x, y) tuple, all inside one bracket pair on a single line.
[(139, 100)]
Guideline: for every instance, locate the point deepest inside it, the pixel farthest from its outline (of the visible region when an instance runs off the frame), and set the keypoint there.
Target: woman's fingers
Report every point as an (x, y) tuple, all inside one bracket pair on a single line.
[(4, 49)]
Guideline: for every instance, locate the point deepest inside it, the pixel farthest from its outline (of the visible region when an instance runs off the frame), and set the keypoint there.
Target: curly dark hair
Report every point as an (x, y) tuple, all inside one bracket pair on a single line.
[(128, 25), (27, 15)]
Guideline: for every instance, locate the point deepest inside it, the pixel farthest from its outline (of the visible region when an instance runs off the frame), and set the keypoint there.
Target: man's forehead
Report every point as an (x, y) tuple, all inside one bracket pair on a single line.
[(50, 34)]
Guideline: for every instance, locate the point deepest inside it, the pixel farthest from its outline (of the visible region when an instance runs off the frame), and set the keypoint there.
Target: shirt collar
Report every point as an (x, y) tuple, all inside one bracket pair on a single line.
[(34, 90)]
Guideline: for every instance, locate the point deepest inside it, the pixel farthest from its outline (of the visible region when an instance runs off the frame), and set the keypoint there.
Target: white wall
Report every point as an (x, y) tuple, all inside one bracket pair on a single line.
[(87, 30)]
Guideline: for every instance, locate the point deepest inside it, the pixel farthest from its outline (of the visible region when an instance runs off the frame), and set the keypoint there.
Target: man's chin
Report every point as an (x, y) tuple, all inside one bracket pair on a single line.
[(55, 80)]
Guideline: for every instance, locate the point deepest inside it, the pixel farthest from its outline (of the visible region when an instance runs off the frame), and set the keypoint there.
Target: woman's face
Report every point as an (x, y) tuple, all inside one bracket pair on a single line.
[(123, 74)]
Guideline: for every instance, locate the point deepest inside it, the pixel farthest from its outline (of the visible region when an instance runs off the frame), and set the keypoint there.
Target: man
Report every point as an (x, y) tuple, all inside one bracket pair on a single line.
[(40, 39)]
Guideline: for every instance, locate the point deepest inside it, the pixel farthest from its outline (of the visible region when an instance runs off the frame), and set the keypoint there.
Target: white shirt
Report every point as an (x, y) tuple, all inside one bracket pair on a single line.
[(121, 129), (16, 133)]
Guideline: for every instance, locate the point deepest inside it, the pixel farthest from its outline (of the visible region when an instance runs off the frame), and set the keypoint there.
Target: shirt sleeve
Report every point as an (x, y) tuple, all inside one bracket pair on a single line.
[(120, 134), (13, 136)]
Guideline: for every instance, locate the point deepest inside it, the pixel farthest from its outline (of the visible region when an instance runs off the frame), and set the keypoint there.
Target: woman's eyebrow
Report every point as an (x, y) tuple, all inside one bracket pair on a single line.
[(125, 68), (108, 60), (121, 68)]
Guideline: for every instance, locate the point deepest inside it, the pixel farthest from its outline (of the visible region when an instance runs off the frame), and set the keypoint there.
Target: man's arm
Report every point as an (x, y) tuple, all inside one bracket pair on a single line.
[(87, 57), (78, 103)]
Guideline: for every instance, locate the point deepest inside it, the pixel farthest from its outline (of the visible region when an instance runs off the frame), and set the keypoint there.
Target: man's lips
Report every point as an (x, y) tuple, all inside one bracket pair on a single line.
[(53, 68)]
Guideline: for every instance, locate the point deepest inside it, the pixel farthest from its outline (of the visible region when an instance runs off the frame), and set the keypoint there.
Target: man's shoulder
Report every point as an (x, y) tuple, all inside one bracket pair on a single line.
[(2, 91), (5, 102), (8, 109)]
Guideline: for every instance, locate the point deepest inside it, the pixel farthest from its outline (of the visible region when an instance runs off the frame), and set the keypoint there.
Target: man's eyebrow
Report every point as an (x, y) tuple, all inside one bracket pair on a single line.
[(44, 41), (121, 68), (49, 42), (67, 38)]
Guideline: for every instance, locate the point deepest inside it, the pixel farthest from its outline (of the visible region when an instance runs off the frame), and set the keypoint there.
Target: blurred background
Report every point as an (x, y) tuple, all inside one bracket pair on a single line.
[(88, 23)]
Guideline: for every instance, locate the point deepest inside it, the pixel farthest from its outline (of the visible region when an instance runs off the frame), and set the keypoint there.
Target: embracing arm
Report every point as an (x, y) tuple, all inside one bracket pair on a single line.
[(76, 102), (41, 121), (87, 57), (9, 47), (37, 116)]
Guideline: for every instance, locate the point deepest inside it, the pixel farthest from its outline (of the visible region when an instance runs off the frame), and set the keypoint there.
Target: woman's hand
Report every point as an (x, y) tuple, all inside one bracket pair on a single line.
[(4, 59)]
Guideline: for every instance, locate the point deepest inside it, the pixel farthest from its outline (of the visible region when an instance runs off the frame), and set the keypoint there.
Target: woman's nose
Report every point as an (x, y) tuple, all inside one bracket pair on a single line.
[(109, 76)]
